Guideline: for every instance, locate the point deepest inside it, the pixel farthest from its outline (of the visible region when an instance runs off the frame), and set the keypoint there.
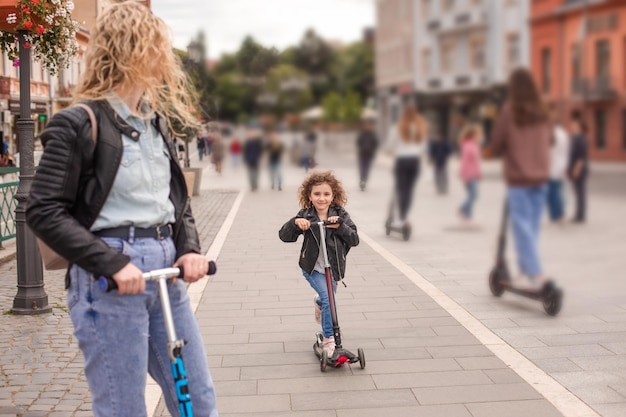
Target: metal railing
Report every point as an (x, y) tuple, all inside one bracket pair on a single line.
[(8, 203)]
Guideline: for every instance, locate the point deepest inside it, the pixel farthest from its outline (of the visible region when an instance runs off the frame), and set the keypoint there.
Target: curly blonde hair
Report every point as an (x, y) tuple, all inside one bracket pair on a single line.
[(339, 194), (129, 47)]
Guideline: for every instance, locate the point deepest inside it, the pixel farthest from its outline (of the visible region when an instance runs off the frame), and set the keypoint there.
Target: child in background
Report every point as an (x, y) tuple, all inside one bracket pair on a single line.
[(322, 197), (469, 145)]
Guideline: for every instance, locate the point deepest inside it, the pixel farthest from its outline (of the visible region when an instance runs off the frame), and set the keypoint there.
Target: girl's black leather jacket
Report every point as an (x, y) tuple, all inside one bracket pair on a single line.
[(338, 241), (74, 179)]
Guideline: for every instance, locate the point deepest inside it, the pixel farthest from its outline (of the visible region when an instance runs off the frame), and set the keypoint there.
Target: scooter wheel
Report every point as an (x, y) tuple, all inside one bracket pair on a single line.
[(388, 227), (553, 302), (361, 358), (323, 361), (494, 283), (406, 232)]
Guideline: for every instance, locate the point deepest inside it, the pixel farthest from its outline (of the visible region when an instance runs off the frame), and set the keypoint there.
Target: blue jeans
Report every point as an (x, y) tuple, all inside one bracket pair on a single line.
[(123, 337), (472, 192), (317, 280), (275, 174), (555, 200), (525, 209)]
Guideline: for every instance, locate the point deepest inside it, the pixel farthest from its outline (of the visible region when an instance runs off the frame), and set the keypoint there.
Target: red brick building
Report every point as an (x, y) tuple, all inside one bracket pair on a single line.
[(578, 55)]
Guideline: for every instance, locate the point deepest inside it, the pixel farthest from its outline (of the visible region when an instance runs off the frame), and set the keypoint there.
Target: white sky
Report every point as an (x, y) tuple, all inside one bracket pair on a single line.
[(277, 23)]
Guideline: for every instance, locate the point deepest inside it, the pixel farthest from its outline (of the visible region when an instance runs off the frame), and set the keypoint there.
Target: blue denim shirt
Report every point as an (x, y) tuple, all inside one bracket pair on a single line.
[(140, 193)]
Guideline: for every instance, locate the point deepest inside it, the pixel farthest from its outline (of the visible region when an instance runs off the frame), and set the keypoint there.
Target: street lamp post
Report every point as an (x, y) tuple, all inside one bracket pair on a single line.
[(31, 297)]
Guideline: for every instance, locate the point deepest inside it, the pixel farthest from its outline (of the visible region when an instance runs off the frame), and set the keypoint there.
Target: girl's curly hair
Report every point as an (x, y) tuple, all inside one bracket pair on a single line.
[(339, 194)]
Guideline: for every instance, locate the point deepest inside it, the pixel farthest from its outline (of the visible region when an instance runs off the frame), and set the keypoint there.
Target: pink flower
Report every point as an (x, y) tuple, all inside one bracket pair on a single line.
[(16, 63), (28, 25)]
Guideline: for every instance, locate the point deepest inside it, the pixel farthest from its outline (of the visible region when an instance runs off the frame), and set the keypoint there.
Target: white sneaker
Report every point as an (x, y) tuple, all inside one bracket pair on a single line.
[(318, 311), (397, 224), (524, 282), (328, 344)]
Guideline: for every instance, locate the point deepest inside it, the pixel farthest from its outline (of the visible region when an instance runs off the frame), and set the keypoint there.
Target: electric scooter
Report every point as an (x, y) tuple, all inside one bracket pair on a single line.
[(341, 355), (405, 229), (550, 295), (174, 344)]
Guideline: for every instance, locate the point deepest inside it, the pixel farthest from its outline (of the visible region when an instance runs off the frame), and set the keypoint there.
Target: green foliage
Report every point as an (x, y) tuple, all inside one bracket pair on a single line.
[(332, 105), (342, 109)]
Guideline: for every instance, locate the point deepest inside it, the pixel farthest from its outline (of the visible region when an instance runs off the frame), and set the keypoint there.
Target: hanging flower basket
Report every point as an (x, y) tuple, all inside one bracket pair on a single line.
[(51, 31)]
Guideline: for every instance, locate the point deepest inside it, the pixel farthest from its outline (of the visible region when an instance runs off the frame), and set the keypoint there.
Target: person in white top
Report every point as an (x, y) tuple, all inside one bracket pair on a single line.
[(559, 154), (407, 141)]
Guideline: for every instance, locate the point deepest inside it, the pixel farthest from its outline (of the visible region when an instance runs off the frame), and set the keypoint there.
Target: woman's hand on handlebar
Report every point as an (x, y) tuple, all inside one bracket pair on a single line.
[(129, 280), (195, 266)]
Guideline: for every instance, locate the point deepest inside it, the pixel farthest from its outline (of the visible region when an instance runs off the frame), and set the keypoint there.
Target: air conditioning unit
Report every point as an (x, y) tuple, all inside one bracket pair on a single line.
[(6, 116)]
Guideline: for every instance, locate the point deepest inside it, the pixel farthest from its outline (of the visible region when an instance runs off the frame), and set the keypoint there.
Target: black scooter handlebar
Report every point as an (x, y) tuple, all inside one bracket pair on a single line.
[(108, 284)]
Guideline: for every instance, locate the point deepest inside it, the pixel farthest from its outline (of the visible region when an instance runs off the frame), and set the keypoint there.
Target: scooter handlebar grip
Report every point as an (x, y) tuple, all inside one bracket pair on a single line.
[(107, 284)]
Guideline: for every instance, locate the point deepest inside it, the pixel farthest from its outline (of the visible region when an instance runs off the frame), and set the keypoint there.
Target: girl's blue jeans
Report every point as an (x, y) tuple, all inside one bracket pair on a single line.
[(317, 280), (525, 210), (472, 192), (123, 337)]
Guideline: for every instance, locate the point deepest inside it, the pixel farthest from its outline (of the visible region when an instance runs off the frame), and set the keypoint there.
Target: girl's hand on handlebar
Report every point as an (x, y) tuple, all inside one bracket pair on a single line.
[(195, 266), (129, 280), (303, 224), (335, 222)]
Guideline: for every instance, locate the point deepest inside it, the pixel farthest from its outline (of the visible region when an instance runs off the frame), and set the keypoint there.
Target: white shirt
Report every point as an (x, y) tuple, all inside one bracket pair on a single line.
[(401, 148), (559, 154)]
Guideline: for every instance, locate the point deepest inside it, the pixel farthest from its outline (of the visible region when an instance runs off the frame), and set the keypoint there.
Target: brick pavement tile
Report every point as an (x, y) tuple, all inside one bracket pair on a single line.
[(316, 384), (431, 379), (321, 413), (611, 410), (537, 408), (253, 403), (475, 394), (420, 411), (237, 388), (361, 399)]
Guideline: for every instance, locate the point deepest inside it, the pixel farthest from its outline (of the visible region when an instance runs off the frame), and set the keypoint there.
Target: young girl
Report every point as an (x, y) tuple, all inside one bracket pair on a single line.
[(322, 197), (470, 168)]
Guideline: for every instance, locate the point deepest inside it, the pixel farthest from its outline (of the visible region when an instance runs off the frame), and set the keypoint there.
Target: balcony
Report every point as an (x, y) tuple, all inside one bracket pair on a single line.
[(594, 89)]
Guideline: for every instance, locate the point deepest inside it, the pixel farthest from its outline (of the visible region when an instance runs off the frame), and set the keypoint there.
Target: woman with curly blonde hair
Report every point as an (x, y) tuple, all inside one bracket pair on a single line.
[(322, 198), (117, 207)]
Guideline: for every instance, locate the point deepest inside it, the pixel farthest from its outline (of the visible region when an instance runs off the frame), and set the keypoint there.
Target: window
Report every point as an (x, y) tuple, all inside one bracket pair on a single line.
[(447, 56), (603, 59), (546, 66), (477, 53), (624, 129), (512, 54), (600, 119), (425, 62)]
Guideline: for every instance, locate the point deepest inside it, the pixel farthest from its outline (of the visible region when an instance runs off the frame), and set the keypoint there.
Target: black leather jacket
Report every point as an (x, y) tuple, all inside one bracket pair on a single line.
[(338, 241), (73, 181)]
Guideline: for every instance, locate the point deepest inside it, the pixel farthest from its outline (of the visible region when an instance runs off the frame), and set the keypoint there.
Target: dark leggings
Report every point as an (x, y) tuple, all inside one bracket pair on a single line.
[(406, 171)]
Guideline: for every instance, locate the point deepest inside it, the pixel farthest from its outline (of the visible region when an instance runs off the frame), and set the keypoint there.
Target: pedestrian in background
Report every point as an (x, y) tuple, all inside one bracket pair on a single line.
[(235, 150), (201, 144), (275, 149), (578, 167), (559, 158), (322, 198), (119, 207), (439, 151), (308, 148), (367, 145), (406, 141), (522, 135), (217, 155), (470, 172), (252, 152)]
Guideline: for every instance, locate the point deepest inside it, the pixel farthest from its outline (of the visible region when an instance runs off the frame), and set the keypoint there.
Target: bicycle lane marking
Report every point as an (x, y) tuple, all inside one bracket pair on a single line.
[(195, 291), (564, 401)]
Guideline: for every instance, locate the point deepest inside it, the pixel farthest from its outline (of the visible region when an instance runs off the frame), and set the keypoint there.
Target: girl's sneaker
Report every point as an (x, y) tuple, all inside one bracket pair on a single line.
[(318, 311), (328, 344)]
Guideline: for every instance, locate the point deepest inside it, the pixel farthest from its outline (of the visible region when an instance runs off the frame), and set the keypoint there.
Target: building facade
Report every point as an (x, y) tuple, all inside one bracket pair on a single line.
[(394, 47), (464, 52), (579, 60)]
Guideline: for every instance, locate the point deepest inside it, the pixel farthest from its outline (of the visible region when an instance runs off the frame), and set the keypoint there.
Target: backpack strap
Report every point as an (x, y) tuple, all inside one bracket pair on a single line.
[(92, 118)]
